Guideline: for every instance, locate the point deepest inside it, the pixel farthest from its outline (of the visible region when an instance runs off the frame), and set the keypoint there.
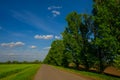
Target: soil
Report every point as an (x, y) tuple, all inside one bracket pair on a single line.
[(47, 72)]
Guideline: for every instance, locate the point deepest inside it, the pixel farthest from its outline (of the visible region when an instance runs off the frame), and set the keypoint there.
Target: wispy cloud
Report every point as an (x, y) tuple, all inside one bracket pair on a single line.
[(55, 10), (47, 48), (43, 37), (47, 37), (54, 7), (57, 37), (18, 34), (12, 44), (55, 13), (31, 19), (11, 54), (33, 47), (13, 33)]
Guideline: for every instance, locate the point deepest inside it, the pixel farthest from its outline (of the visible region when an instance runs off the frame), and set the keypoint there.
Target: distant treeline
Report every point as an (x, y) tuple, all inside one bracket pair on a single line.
[(90, 40), (21, 62)]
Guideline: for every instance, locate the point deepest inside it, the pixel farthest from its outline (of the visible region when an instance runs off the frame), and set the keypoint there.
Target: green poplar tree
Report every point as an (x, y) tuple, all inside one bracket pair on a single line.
[(105, 40), (75, 38), (55, 54)]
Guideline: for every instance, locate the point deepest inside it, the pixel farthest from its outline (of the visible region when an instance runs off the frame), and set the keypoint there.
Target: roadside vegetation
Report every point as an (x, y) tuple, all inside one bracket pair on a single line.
[(18, 71), (21, 62), (92, 75), (89, 40)]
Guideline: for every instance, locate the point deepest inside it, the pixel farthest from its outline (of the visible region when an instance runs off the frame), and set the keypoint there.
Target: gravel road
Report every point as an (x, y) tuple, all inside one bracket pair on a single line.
[(47, 72)]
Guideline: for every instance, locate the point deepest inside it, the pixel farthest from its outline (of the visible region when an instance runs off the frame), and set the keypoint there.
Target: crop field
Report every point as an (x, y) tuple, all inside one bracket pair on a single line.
[(18, 71)]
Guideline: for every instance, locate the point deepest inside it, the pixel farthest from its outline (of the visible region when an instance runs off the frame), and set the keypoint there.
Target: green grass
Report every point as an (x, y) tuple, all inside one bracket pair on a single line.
[(18, 71), (89, 74)]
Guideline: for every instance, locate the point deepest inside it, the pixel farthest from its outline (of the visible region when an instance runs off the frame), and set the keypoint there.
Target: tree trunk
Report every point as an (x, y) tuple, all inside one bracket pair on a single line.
[(84, 55), (85, 62), (101, 66), (77, 65)]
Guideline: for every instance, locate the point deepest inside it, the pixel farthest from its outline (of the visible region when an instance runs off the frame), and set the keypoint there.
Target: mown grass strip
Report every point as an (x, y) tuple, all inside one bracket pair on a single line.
[(89, 74), (26, 74)]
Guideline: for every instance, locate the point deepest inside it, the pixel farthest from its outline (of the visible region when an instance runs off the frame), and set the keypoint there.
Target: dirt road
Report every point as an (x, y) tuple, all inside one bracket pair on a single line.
[(49, 73)]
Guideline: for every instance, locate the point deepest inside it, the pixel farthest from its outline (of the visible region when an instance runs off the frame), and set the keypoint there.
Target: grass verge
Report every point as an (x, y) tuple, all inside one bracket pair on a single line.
[(92, 75)]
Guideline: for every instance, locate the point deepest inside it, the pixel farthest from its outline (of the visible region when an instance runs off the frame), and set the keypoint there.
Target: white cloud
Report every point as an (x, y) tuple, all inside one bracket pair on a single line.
[(33, 47), (43, 36), (13, 44), (47, 48), (54, 7), (55, 10), (57, 37), (55, 13)]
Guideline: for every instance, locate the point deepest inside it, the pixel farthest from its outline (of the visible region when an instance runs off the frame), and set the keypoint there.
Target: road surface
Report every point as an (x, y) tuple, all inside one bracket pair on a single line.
[(50, 73)]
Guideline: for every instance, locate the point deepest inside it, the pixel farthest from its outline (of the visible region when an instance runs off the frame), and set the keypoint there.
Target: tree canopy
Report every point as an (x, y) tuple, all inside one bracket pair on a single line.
[(89, 40)]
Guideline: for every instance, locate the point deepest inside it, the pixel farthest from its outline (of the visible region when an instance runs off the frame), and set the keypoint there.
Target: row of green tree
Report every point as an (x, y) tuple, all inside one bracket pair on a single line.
[(21, 62), (90, 40)]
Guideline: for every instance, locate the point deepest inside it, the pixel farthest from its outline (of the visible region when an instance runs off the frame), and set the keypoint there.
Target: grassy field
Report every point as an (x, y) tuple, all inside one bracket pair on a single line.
[(89, 74), (18, 71)]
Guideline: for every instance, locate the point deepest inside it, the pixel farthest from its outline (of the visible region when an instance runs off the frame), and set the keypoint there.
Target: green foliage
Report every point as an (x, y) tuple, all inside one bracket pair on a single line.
[(90, 40), (75, 38), (107, 29), (71, 37), (117, 61), (23, 62), (55, 55)]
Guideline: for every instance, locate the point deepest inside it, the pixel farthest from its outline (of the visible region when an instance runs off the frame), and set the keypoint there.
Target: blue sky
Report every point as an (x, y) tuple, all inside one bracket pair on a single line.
[(28, 27)]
